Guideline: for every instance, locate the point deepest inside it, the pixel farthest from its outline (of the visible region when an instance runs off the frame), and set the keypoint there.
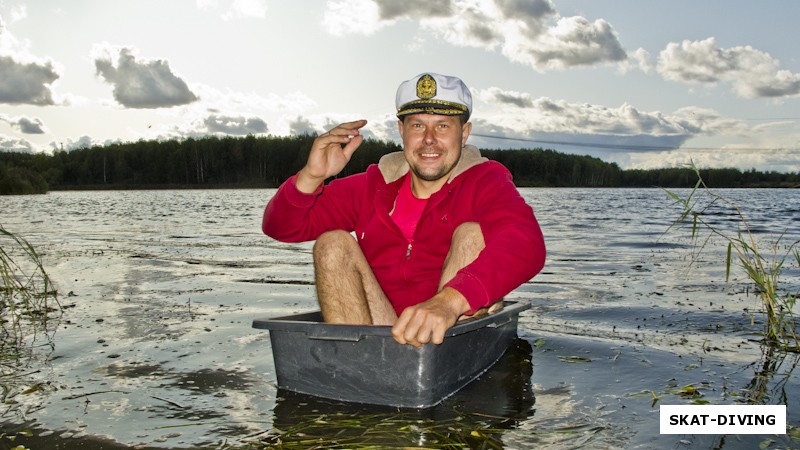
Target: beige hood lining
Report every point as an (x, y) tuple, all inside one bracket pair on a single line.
[(393, 165)]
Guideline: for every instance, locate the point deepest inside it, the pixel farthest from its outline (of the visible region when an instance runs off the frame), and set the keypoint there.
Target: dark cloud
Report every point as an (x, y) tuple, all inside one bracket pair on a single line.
[(142, 83), (519, 99), (235, 125), (301, 126), (26, 125), (480, 30), (30, 126), (526, 10), (595, 144), (417, 9), (26, 83)]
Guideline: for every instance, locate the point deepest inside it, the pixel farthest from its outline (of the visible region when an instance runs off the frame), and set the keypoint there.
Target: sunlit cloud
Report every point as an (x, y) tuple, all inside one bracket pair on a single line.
[(751, 72), (527, 32)]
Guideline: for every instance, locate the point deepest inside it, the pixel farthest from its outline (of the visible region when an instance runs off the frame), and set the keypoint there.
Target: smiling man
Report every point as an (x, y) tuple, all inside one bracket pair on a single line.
[(441, 233)]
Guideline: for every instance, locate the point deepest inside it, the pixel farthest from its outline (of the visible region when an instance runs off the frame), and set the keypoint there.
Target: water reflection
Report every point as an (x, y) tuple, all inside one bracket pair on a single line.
[(770, 377), (477, 416)]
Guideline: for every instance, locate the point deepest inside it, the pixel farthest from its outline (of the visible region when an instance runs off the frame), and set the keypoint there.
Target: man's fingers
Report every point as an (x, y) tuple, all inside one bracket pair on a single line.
[(409, 329), (399, 328), (418, 327), (437, 335), (348, 129), (352, 145)]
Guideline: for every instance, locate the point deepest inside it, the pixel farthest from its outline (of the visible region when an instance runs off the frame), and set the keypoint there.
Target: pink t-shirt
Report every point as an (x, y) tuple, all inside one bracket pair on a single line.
[(407, 209)]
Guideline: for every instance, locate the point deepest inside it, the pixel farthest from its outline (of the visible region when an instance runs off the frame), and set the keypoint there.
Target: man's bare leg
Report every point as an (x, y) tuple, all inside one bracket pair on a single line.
[(467, 243), (347, 289)]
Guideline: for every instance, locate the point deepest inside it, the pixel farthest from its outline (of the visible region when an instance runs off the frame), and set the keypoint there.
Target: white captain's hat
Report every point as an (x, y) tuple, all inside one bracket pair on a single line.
[(431, 93)]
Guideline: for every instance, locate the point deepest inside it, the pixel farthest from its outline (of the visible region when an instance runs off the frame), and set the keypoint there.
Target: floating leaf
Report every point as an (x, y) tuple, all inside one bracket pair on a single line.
[(539, 342), (574, 359)]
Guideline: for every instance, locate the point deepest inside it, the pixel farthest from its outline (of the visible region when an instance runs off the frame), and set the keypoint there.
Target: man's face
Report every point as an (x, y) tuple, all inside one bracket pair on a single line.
[(432, 145)]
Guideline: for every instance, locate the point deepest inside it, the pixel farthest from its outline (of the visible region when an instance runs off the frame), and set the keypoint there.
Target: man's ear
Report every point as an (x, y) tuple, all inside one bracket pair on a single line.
[(400, 128), (466, 129)]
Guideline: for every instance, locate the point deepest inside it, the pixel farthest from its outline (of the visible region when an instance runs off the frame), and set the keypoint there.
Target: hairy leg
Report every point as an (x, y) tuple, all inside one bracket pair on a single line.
[(347, 290), (466, 245)]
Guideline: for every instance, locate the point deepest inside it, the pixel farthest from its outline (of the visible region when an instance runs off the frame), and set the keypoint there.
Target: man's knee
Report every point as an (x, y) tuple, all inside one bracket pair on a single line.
[(333, 244)]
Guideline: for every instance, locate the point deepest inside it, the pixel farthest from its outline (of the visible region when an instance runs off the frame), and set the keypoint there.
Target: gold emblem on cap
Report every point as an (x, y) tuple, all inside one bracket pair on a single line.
[(426, 87)]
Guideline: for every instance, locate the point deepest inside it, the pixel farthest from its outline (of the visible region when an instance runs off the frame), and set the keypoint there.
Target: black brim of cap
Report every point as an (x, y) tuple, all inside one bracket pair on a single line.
[(432, 108)]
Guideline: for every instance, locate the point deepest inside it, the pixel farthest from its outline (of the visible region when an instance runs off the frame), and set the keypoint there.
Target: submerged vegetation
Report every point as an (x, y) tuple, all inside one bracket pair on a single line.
[(27, 303), (263, 162), (763, 267)]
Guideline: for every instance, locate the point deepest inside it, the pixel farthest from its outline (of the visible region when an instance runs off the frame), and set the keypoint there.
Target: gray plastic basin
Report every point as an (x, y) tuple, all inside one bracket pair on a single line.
[(364, 364)]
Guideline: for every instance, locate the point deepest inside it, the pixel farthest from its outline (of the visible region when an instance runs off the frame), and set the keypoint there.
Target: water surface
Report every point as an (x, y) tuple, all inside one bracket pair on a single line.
[(155, 348)]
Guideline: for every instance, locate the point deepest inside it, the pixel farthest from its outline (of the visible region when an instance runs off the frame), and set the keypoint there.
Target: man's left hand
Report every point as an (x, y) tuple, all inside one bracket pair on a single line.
[(429, 320)]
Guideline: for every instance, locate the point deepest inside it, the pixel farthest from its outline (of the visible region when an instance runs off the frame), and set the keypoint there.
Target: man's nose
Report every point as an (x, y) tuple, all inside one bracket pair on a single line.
[(429, 136)]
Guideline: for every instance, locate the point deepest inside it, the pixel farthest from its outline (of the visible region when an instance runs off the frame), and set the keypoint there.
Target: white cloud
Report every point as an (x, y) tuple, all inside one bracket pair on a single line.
[(631, 137), (24, 78), (572, 41), (764, 159), (142, 83), (752, 73), (250, 102), (640, 59), (235, 9), (232, 113), (528, 32), (18, 12), (353, 17), (575, 127), (10, 144), (235, 125)]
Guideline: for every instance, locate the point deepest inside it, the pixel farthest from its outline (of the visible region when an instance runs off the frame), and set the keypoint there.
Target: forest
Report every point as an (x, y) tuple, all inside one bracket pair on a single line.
[(265, 162)]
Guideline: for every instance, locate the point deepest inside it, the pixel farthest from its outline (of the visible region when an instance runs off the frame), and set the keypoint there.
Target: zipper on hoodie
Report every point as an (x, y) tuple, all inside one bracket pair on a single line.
[(408, 250)]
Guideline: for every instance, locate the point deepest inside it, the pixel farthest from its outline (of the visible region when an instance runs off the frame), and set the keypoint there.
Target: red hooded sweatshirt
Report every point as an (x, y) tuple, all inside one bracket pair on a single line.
[(478, 190)]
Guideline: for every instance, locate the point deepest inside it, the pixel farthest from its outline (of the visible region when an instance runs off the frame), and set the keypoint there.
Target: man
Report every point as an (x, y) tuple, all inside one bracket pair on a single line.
[(440, 232)]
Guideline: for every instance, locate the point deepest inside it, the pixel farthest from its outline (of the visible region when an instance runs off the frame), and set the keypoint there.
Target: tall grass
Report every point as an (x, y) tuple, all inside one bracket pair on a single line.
[(27, 299), (763, 267)]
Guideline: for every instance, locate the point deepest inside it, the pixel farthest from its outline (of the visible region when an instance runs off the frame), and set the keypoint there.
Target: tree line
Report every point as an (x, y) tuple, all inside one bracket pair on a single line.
[(265, 162)]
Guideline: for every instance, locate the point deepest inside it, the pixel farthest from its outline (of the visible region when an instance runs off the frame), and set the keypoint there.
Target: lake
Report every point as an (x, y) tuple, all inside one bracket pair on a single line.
[(155, 348)]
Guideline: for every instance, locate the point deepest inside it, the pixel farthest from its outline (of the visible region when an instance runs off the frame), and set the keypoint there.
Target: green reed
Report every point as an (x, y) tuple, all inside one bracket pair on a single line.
[(763, 268), (27, 298)]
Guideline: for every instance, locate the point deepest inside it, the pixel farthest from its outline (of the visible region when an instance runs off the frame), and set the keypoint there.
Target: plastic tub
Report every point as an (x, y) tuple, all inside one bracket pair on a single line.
[(364, 364)]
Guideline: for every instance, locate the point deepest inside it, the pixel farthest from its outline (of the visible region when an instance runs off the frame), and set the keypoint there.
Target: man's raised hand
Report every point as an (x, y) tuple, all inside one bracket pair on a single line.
[(329, 154)]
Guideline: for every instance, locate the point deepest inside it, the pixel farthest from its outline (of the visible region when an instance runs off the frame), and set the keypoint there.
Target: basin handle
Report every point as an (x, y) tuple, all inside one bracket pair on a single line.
[(328, 334)]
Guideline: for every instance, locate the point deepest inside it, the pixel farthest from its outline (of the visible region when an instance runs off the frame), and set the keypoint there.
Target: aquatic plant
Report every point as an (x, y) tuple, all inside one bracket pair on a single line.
[(762, 268), (27, 298)]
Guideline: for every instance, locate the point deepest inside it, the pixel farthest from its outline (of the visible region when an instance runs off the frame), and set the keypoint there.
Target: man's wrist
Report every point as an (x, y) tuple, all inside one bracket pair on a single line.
[(306, 183), (455, 300)]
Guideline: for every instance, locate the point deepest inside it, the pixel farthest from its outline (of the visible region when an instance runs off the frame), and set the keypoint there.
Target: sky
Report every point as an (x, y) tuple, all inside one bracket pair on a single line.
[(644, 84)]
